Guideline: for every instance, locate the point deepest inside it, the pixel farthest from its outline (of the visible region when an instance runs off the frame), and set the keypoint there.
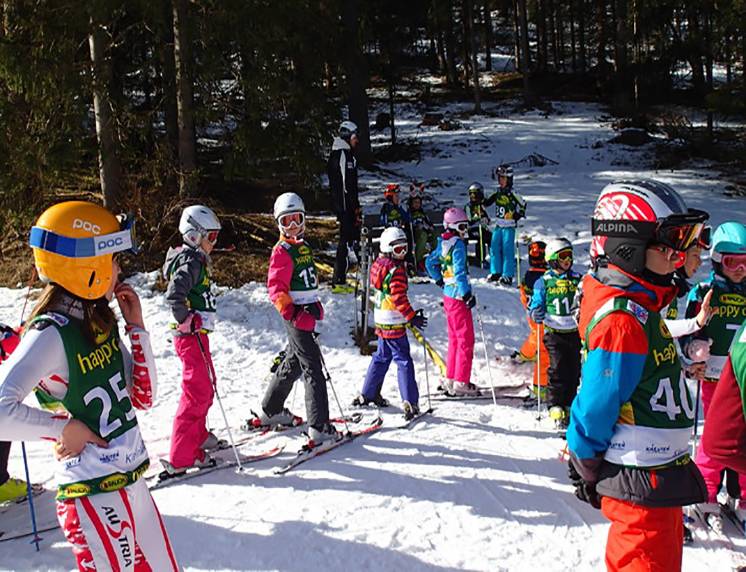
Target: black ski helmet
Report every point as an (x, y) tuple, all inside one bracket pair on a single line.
[(476, 191), (632, 215)]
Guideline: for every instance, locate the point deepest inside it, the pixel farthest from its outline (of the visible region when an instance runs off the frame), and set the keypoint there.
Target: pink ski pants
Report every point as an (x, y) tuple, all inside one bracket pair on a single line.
[(460, 339)]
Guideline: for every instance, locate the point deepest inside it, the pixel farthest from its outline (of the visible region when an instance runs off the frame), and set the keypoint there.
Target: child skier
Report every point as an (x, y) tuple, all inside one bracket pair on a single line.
[(96, 383), (632, 418), (11, 489), (392, 312), (479, 223), (423, 232), (552, 305), (293, 289), (509, 209), (446, 264), (537, 266), (726, 283), (187, 269), (392, 214)]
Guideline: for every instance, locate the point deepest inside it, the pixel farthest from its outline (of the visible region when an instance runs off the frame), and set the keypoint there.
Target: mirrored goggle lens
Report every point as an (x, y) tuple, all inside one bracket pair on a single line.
[(705, 237), (212, 236), (399, 249), (678, 236), (734, 261), (564, 255), (462, 226), (292, 219)]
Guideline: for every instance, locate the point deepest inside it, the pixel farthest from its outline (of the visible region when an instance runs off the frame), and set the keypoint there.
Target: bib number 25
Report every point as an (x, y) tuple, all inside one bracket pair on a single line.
[(119, 388)]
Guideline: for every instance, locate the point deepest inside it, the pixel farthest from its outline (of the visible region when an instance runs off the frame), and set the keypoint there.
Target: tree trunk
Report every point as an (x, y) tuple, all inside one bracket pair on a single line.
[(391, 88), (525, 54), (110, 167), (728, 56), (487, 18), (583, 63), (573, 50), (695, 49), (466, 42), (471, 38), (541, 32), (168, 78), (621, 98), (450, 45), (553, 29), (602, 39), (516, 37), (560, 35), (185, 100), (357, 79)]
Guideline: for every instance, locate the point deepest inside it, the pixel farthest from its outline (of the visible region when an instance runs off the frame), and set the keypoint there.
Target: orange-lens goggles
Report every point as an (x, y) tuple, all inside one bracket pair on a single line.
[(399, 249), (212, 236), (291, 219), (564, 255)]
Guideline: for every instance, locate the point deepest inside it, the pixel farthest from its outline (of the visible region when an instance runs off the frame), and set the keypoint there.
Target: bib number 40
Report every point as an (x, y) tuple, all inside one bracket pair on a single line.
[(664, 399)]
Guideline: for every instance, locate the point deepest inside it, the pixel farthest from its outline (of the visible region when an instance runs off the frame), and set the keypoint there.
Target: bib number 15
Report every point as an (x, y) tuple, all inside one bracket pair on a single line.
[(119, 387)]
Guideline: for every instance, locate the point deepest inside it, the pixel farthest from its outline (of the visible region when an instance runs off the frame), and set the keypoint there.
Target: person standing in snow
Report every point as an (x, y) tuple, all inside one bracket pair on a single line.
[(447, 265), (552, 305), (187, 269), (11, 489), (94, 384), (342, 172), (509, 209), (423, 231), (632, 418), (292, 283), (479, 223), (392, 313), (710, 345)]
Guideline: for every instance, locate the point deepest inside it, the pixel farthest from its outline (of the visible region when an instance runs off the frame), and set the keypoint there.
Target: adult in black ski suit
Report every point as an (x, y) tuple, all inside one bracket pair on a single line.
[(342, 171)]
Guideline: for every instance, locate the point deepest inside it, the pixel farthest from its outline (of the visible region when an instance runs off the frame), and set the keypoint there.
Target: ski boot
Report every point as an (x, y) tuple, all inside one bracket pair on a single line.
[(327, 433), (506, 280), (460, 388), (494, 278), (212, 443), (171, 471), (280, 420), (561, 420), (12, 490), (710, 515), (410, 411), (378, 401), (343, 288)]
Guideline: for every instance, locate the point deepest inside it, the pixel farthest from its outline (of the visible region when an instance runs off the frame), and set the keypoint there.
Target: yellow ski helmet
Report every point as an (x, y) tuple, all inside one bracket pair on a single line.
[(73, 244)]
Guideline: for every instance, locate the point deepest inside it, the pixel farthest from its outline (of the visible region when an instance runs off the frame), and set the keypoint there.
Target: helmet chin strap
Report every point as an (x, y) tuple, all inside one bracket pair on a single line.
[(657, 279)]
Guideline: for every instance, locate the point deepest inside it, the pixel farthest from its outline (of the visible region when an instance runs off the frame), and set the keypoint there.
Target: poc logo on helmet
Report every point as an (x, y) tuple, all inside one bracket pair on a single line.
[(87, 226), (109, 243)]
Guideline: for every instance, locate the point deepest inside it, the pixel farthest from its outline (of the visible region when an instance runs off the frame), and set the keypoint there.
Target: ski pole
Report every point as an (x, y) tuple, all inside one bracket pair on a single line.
[(334, 391), (696, 418), (211, 375), (538, 371), (29, 492), (427, 377), (486, 357), (517, 257), (481, 247)]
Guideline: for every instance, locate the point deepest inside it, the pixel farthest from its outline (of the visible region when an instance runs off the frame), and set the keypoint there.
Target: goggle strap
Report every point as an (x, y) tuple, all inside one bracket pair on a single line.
[(80, 247)]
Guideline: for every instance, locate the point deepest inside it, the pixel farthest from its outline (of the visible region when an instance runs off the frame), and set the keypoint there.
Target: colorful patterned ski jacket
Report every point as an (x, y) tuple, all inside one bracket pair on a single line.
[(293, 284), (388, 278), (724, 437), (631, 420), (447, 262)]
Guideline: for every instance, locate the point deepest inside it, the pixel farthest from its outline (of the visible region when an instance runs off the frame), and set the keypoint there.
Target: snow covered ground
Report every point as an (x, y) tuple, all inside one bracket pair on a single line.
[(474, 487)]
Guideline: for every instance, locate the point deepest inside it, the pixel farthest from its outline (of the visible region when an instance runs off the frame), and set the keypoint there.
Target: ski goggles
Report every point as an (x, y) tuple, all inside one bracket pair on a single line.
[(212, 236), (734, 262), (461, 227), (705, 237), (120, 241), (677, 231), (564, 255), (399, 249), (291, 220)]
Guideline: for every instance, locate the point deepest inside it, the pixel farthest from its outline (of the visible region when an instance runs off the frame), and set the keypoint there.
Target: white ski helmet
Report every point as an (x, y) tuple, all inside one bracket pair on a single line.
[(391, 237), (196, 222), (555, 246), (347, 129), (288, 203)]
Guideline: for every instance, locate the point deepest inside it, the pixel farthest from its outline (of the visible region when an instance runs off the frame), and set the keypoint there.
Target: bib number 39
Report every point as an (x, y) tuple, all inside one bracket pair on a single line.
[(664, 400), (119, 388)]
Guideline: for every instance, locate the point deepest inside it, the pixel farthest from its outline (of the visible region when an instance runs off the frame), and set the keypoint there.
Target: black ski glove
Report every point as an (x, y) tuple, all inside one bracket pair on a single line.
[(314, 309), (419, 320), (584, 490), (439, 283), (470, 300)]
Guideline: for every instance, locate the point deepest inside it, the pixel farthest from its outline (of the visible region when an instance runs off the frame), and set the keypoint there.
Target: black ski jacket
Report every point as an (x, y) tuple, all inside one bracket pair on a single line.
[(342, 171)]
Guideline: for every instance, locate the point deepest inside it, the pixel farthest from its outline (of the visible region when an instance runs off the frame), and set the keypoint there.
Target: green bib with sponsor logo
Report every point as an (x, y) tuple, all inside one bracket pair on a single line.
[(661, 399), (729, 311), (304, 268), (560, 293), (97, 389), (200, 297)]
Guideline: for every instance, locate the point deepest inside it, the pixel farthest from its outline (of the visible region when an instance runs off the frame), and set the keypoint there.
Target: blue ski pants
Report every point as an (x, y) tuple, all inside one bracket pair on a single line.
[(396, 349), (502, 251)]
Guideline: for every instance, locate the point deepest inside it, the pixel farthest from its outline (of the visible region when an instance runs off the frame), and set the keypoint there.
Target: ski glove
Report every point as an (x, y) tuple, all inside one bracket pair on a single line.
[(191, 324), (419, 320), (314, 309), (470, 300), (584, 490), (538, 314)]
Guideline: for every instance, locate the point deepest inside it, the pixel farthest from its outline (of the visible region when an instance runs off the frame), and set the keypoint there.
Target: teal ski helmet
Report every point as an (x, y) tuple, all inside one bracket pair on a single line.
[(728, 238)]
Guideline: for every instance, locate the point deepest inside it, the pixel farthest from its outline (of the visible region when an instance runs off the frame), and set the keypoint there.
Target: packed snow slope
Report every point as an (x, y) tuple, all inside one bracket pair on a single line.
[(472, 487)]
